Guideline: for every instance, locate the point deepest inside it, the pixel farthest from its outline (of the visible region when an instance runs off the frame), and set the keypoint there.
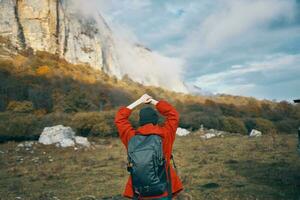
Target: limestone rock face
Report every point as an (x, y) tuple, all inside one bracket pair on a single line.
[(38, 22), (56, 26), (8, 21)]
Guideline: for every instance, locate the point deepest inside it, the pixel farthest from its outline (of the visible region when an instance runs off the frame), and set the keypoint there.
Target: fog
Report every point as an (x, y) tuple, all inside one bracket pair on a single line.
[(139, 63)]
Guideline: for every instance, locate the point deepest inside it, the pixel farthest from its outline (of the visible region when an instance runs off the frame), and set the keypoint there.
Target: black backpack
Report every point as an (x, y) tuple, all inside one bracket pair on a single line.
[(146, 164)]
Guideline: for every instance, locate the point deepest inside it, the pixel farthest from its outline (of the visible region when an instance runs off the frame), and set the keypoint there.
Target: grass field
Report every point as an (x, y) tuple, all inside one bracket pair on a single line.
[(232, 167)]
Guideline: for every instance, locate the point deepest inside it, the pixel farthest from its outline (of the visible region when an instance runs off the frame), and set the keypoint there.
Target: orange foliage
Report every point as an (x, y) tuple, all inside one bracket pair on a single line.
[(43, 70)]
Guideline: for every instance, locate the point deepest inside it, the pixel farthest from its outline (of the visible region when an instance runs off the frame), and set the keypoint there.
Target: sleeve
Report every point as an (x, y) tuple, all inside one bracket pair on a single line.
[(125, 129), (172, 118)]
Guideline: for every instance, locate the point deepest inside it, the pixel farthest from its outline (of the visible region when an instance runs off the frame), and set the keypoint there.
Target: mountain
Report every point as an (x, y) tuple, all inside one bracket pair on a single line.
[(57, 27), (58, 66)]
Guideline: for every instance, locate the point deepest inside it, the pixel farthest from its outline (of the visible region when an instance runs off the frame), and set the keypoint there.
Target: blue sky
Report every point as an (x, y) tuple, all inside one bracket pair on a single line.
[(239, 47)]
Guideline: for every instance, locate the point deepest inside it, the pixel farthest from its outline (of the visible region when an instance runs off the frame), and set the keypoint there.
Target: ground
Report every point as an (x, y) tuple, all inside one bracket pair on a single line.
[(231, 167)]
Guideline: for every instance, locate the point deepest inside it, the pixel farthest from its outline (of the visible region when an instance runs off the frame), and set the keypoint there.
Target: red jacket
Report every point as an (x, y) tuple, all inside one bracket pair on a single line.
[(167, 131)]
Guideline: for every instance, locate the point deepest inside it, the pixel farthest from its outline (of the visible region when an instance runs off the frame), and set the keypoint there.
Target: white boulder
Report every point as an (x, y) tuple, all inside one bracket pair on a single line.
[(62, 136), (182, 132), (56, 134), (82, 141), (67, 143), (255, 133)]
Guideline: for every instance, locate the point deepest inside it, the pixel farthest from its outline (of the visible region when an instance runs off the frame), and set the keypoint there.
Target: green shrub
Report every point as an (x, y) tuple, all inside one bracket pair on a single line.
[(263, 125), (233, 125), (194, 120), (94, 124), (18, 126), (287, 126), (20, 106), (21, 126)]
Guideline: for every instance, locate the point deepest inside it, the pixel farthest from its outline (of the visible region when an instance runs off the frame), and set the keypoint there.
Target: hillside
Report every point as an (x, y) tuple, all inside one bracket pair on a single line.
[(39, 89)]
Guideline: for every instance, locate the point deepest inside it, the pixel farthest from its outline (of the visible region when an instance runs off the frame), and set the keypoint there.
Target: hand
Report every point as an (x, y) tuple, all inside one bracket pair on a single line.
[(146, 99)]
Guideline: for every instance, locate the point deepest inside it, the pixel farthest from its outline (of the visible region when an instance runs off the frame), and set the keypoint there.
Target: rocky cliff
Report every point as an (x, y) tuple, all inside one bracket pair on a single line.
[(57, 27)]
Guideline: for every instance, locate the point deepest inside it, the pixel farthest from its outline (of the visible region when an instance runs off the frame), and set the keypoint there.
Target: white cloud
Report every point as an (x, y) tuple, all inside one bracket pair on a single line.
[(140, 64), (219, 40), (245, 79), (232, 21), (150, 67)]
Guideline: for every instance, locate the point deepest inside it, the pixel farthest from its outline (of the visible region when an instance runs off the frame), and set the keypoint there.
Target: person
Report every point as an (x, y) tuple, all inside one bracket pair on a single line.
[(148, 121)]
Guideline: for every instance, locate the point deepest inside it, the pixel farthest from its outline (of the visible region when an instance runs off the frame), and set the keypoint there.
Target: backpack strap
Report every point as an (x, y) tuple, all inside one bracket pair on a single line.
[(135, 195), (169, 183), (169, 176), (174, 164)]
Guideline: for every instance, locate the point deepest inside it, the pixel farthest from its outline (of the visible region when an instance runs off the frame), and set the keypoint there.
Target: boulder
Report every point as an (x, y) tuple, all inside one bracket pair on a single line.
[(60, 135), (67, 142), (182, 132), (82, 141), (255, 133), (211, 133)]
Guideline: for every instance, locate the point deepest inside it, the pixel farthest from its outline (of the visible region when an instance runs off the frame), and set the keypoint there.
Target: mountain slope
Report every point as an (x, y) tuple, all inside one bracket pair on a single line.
[(39, 89), (59, 28)]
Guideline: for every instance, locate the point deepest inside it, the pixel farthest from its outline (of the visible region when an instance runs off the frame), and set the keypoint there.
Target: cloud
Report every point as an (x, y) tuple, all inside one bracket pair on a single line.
[(150, 67), (250, 78), (233, 20), (138, 62), (213, 38)]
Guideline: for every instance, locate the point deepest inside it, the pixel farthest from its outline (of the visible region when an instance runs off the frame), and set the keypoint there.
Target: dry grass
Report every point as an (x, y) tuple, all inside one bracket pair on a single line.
[(234, 167), (23, 64)]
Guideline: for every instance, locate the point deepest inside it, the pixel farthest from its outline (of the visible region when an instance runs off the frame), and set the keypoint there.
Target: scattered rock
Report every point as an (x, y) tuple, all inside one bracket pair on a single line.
[(82, 141), (182, 132), (26, 144), (48, 196), (62, 136), (19, 159), (255, 133), (211, 133), (208, 136), (2, 152)]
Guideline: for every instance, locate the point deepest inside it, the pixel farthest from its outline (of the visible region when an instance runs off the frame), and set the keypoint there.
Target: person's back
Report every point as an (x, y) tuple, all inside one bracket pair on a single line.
[(148, 131)]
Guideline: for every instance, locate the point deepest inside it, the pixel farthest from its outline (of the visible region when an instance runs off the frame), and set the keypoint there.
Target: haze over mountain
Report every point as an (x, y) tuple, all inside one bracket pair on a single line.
[(240, 47)]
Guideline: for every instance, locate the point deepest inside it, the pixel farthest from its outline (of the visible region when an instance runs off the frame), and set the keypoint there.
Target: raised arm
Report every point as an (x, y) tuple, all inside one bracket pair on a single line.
[(172, 117), (125, 129)]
